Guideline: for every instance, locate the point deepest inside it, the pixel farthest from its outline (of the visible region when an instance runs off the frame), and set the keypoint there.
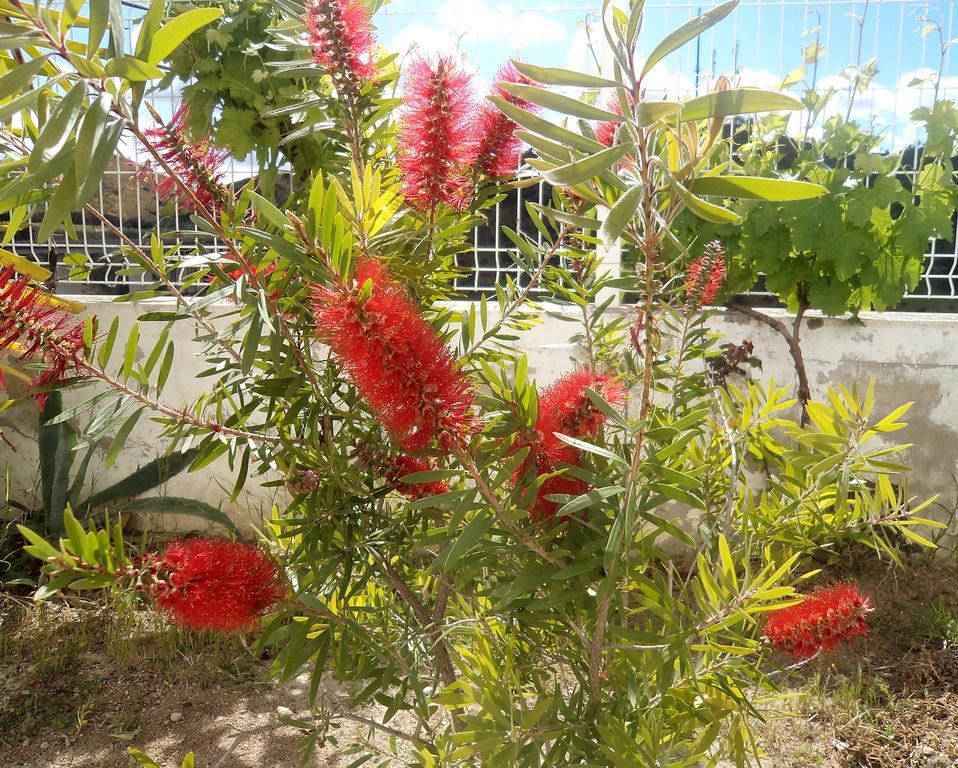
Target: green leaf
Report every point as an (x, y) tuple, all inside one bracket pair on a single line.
[(580, 222), (57, 129), (95, 158), (621, 213), (543, 127), (475, 530), (429, 476), (688, 31), (587, 168), (149, 26), (142, 758), (589, 499), (14, 81), (99, 18), (589, 448), (119, 440), (558, 102), (168, 38), (556, 76), (151, 475), (756, 188), (649, 112), (58, 209), (703, 209), (737, 101), (56, 443), (133, 70), (173, 505)]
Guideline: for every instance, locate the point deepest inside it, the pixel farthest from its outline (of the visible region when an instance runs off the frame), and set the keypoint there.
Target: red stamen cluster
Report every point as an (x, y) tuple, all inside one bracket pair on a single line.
[(253, 271), (498, 149), (196, 163), (437, 135), (31, 323), (397, 467), (341, 37), (824, 619), (565, 408), (605, 131), (397, 361), (706, 276), (217, 584)]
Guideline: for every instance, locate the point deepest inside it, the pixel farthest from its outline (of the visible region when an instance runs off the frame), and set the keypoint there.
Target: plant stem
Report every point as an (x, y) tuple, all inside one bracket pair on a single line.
[(794, 346), (178, 414), (429, 625), (496, 503)]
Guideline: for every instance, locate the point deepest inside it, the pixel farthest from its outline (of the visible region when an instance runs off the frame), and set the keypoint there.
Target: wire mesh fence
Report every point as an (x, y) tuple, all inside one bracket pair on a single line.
[(762, 40)]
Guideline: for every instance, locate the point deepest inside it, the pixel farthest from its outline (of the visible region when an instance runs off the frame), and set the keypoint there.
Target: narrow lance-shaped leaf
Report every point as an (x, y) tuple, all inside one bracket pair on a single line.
[(756, 188), (556, 76), (58, 128), (543, 127), (737, 101), (100, 157), (621, 213), (704, 209), (688, 31), (176, 30), (587, 168), (20, 76), (558, 102)]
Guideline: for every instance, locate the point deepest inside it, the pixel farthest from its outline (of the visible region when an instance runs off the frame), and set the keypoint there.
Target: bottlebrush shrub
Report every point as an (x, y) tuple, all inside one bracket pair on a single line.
[(534, 570)]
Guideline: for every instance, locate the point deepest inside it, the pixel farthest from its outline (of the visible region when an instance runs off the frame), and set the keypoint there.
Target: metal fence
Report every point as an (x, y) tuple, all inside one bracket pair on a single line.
[(762, 37)]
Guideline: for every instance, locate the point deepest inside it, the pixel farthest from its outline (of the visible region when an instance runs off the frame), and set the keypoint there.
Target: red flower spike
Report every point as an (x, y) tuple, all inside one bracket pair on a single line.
[(706, 276), (565, 407), (32, 324), (498, 149), (545, 509), (218, 584), (400, 466), (437, 137), (341, 36), (605, 131), (251, 270), (400, 366), (196, 163), (826, 618)]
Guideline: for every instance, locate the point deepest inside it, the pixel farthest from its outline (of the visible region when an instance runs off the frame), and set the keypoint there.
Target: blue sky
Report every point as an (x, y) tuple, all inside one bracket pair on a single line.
[(761, 41)]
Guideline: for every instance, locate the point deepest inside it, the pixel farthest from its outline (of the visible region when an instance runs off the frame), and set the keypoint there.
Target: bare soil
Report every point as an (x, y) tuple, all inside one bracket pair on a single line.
[(76, 691), (81, 683)]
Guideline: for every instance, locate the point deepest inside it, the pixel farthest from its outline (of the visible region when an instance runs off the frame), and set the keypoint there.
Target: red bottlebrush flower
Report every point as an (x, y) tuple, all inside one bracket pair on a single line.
[(824, 619), (706, 276), (498, 149), (437, 135), (196, 163), (400, 466), (341, 37), (565, 484), (217, 584), (32, 325), (251, 270), (564, 407), (397, 361), (605, 131)]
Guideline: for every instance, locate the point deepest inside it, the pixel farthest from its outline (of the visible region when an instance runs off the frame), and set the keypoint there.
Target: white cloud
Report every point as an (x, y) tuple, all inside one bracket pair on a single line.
[(424, 38), (474, 21)]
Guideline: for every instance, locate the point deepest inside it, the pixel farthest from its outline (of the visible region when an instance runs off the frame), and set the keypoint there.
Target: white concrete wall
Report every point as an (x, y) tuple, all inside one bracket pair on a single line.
[(913, 357)]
